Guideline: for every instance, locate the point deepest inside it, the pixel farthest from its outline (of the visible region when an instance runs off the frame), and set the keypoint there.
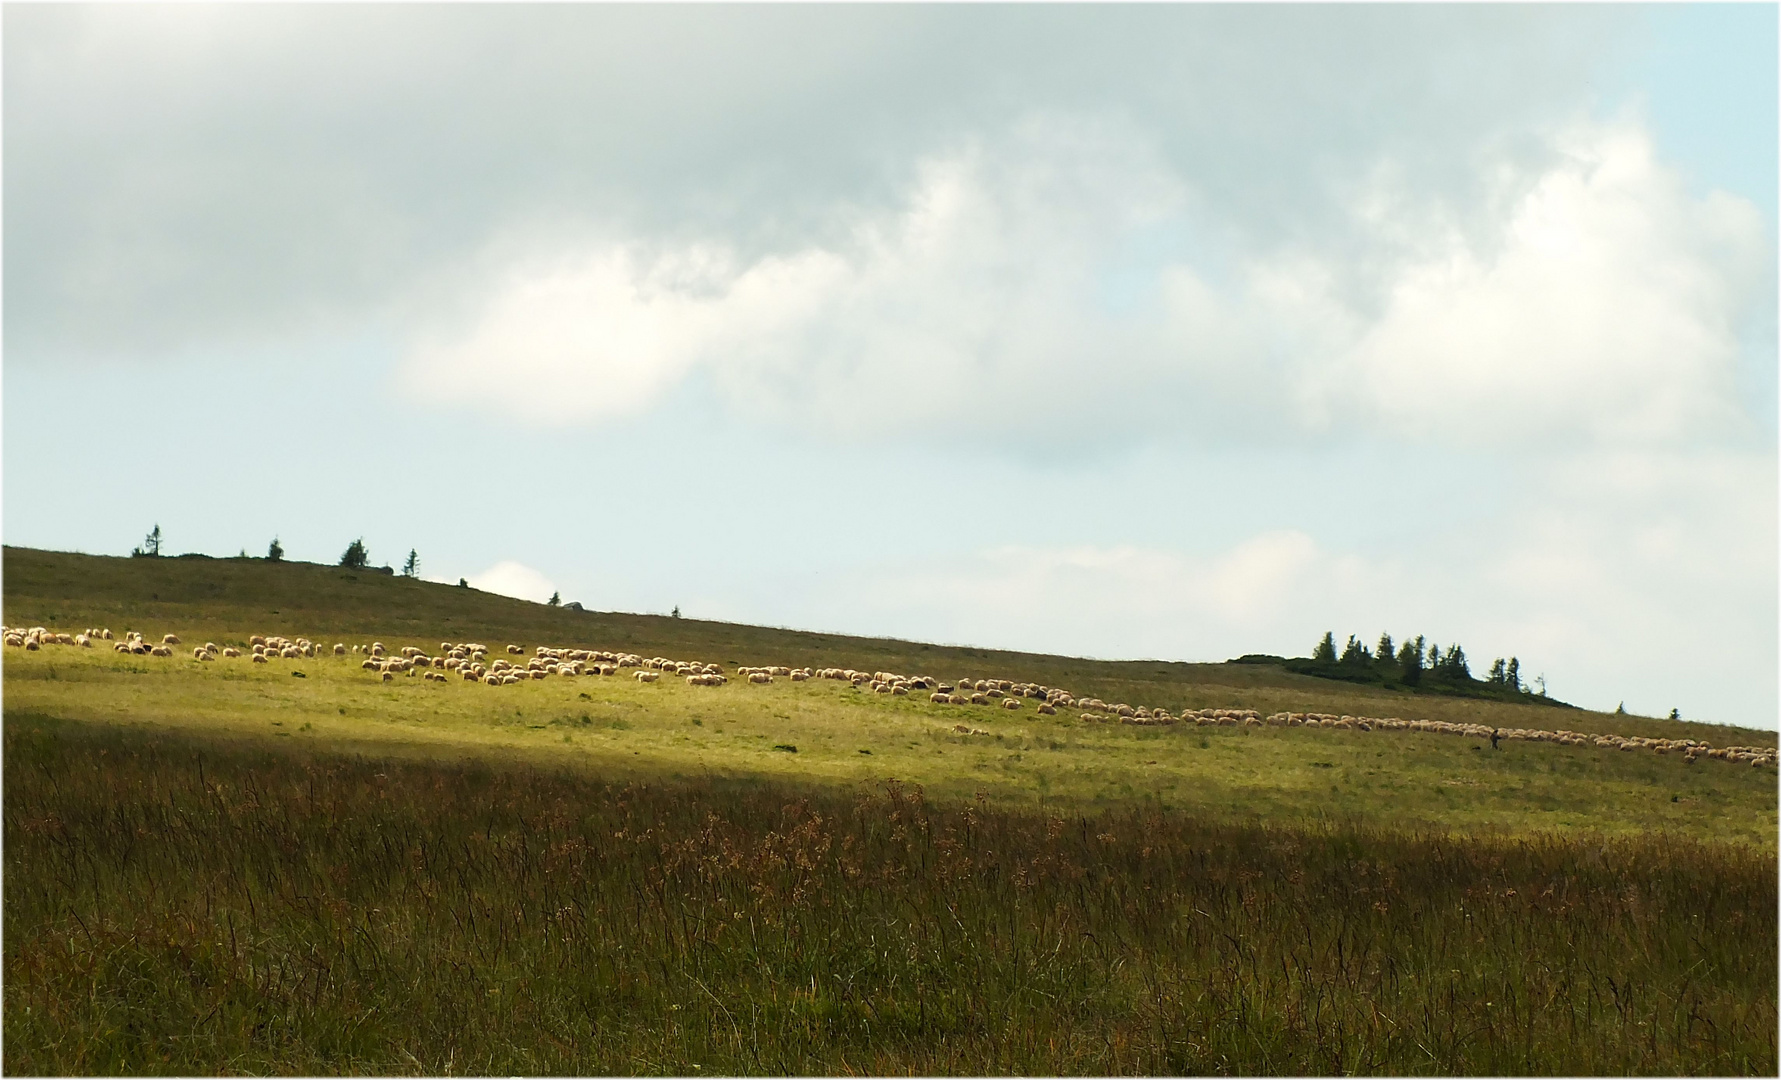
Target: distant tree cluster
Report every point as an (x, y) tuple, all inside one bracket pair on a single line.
[(1415, 664)]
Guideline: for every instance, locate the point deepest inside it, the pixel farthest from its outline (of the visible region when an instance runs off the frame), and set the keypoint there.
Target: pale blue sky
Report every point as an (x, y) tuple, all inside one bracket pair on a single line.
[(1121, 332)]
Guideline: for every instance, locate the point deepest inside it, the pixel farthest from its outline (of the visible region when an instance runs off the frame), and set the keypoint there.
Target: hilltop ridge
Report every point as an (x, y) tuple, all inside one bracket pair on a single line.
[(235, 597)]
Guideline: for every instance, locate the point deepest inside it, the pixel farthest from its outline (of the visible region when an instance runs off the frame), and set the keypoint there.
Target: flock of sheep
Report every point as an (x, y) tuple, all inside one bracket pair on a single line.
[(470, 660)]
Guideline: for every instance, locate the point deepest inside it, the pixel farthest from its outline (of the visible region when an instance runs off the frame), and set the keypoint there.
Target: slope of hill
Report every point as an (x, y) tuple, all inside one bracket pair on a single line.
[(841, 735), (220, 867)]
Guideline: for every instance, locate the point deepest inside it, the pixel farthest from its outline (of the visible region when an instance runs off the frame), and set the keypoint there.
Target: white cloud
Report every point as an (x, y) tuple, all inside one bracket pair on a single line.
[(1608, 307), (1057, 282), (509, 578), (974, 303)]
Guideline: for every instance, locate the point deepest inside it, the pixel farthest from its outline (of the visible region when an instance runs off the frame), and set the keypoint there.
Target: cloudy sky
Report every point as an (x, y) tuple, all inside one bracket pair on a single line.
[(1175, 332)]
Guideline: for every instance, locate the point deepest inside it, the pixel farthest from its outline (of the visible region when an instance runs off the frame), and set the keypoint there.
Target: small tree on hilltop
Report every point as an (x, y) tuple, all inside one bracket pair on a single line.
[(356, 557), (1513, 674), (275, 551), (412, 566), (556, 600), (151, 545)]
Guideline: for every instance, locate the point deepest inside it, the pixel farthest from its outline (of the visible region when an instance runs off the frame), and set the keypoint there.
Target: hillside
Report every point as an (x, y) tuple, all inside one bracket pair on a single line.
[(296, 866), (230, 599), (841, 735)]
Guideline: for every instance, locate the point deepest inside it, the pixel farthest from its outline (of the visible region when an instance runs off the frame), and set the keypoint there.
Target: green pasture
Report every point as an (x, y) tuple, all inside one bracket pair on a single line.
[(844, 737)]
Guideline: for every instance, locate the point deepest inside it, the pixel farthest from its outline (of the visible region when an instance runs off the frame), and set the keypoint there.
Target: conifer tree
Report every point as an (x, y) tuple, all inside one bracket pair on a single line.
[(356, 557), (413, 565), (1385, 651), (1354, 653), (1498, 673), (1513, 675), (1410, 661), (1326, 649), (151, 544), (1411, 653), (275, 551)]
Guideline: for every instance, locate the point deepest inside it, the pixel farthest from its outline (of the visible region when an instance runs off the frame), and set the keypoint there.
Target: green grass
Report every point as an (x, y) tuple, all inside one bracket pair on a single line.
[(615, 726), (229, 599), (219, 867), (179, 903)]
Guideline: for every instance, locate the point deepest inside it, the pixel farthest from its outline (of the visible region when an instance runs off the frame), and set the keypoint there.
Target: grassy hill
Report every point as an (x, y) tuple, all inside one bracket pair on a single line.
[(229, 599), (842, 736), (221, 867)]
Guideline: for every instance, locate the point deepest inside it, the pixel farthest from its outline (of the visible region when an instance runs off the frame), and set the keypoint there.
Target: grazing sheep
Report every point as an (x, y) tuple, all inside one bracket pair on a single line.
[(515, 650), (259, 658), (1011, 703), (160, 650), (652, 676), (1047, 710)]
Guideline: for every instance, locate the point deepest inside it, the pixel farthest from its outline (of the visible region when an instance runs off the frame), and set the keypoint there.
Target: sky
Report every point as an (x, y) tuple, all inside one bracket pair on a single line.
[(1149, 331)]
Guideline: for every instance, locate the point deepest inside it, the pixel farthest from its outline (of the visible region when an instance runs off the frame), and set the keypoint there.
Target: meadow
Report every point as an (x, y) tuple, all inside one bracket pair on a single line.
[(221, 867)]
